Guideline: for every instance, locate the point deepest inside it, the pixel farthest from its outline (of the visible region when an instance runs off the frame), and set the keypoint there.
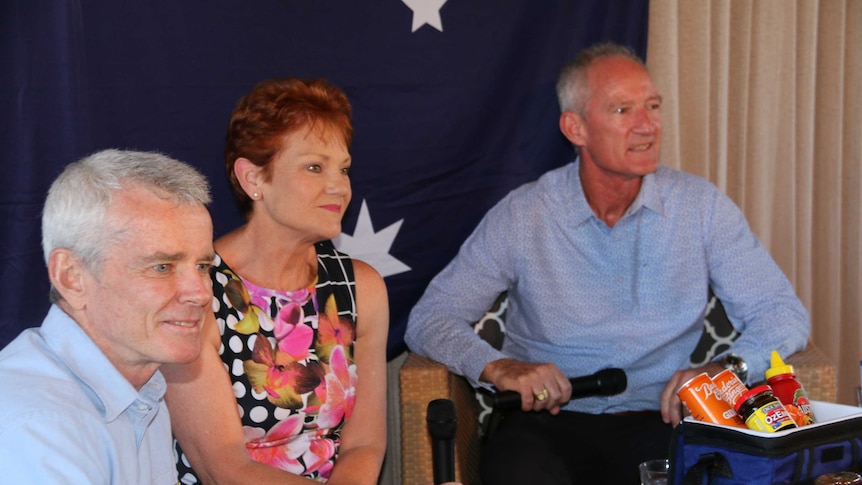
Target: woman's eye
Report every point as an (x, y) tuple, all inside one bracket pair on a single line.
[(314, 168), (345, 170), (621, 111)]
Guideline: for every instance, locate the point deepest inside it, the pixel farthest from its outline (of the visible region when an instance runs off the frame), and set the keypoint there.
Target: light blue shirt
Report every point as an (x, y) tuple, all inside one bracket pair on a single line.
[(68, 416), (586, 296)]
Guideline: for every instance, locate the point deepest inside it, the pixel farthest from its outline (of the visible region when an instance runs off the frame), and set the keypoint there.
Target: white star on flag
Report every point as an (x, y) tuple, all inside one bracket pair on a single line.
[(426, 12), (371, 247)]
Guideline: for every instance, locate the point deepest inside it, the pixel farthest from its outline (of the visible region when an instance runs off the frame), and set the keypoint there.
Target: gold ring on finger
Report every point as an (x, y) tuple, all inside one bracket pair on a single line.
[(541, 396)]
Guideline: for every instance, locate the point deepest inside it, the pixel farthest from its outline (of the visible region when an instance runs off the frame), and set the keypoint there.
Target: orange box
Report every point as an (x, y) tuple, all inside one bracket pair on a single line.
[(703, 400)]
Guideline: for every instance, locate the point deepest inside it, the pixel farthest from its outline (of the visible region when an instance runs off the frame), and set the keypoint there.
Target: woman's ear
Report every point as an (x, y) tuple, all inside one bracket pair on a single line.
[(249, 176), (68, 276), (572, 127)]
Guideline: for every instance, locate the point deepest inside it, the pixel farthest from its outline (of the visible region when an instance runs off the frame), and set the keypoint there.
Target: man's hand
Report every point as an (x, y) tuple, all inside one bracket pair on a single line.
[(529, 380), (671, 406)]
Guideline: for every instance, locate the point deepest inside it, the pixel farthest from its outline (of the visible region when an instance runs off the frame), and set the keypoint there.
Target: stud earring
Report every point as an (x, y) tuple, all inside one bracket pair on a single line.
[(255, 195)]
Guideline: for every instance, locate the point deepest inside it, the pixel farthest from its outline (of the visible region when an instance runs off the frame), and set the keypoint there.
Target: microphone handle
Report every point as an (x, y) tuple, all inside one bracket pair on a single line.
[(512, 399), (443, 460)]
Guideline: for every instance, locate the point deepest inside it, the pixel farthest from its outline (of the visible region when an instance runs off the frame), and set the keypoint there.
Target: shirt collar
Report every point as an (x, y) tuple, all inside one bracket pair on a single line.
[(649, 196), (110, 392)]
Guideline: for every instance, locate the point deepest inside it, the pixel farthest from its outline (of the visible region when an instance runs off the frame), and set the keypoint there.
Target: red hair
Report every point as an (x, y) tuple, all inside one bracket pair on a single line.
[(273, 109)]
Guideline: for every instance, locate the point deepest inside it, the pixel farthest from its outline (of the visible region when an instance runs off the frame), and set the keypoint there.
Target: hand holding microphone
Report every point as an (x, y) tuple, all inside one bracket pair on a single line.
[(606, 382)]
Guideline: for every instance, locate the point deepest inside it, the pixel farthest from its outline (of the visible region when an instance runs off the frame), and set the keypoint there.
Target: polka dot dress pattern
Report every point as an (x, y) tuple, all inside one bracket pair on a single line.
[(289, 355)]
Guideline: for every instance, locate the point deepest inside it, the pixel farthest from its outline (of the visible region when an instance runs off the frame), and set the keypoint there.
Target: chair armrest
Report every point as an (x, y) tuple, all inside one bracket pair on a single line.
[(816, 372), (423, 380)]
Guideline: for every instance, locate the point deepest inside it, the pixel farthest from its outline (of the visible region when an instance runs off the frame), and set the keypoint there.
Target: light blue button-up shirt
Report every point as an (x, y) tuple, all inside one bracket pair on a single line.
[(68, 416), (586, 296)]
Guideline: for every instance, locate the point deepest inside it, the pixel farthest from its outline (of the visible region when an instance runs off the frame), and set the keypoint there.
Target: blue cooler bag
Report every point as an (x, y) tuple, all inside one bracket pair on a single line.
[(712, 454)]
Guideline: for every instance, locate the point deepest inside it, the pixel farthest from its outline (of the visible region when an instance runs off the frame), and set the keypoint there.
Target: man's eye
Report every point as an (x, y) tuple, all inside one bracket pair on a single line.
[(655, 106), (621, 111), (162, 268), (205, 267)]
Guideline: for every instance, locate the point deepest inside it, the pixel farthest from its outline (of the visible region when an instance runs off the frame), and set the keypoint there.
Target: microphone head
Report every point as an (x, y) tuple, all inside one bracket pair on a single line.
[(441, 419), (611, 381)]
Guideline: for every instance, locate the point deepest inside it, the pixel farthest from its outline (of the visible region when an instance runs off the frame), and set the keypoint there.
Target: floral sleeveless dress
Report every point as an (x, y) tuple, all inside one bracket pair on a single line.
[(290, 359)]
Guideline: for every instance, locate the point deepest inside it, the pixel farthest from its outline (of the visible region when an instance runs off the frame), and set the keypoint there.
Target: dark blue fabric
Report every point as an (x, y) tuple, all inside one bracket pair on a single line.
[(711, 455), (446, 123)]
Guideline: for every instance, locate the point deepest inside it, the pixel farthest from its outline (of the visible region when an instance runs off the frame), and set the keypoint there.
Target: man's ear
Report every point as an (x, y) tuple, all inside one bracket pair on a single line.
[(68, 276), (248, 175), (573, 128)]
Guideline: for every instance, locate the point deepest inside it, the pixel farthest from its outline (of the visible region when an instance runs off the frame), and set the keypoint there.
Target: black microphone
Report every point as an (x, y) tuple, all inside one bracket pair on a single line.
[(605, 382), (442, 421)]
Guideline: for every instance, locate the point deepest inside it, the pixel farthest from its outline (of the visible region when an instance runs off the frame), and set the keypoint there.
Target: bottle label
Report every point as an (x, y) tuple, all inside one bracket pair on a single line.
[(770, 418), (800, 400)]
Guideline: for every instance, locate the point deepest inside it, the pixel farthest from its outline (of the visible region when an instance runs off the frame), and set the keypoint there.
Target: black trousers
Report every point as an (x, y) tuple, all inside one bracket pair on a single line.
[(536, 448)]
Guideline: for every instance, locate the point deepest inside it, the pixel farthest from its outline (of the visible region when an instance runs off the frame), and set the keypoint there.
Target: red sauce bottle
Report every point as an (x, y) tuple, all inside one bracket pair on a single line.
[(782, 379)]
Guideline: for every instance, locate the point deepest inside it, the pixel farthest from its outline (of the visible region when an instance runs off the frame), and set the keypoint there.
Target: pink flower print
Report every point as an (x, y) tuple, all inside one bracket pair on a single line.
[(319, 457), (282, 446), (340, 391), (286, 447), (300, 296), (260, 299), (292, 335)]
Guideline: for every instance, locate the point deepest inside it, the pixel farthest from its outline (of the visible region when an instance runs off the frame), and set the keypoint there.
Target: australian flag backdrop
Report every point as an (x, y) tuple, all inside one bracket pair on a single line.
[(454, 106)]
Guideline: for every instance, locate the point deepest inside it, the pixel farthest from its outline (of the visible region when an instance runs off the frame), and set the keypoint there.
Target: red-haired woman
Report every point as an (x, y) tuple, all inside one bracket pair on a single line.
[(290, 386)]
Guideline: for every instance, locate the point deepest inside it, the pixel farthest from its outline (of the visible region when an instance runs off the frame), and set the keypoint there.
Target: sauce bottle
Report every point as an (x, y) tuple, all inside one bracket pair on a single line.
[(762, 411), (782, 379)]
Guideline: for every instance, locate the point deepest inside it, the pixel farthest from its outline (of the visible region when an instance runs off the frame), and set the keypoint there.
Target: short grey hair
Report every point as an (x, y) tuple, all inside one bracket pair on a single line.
[(79, 198), (572, 87)]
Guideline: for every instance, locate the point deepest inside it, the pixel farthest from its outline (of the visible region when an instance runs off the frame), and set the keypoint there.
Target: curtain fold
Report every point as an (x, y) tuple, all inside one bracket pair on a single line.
[(765, 100)]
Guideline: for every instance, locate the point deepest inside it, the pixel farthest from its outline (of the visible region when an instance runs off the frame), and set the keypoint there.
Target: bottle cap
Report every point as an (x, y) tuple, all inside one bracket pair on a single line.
[(778, 367), (750, 394)]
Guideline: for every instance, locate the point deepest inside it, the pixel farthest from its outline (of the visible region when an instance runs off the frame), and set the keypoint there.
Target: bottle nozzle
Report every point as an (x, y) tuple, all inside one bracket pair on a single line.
[(777, 366), (775, 359)]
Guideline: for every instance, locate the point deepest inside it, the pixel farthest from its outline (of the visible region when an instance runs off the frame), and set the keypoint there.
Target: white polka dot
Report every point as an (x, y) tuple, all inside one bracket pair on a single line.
[(188, 479), (235, 343), (241, 411), (239, 390), (237, 369), (258, 414), (281, 413), (250, 342), (221, 278), (231, 321)]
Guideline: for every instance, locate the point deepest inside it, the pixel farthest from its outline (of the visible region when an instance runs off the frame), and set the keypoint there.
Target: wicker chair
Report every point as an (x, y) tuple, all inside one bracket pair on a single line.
[(423, 380)]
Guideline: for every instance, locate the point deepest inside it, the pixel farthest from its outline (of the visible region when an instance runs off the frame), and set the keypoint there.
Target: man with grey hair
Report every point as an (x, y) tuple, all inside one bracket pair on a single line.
[(607, 262), (128, 246)]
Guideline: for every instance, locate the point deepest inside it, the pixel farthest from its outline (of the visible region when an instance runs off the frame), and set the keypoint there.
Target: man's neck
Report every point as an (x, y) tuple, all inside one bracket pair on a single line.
[(609, 196)]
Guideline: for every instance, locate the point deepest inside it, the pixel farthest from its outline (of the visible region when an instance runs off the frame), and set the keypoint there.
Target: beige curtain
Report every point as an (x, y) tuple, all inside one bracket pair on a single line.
[(764, 98)]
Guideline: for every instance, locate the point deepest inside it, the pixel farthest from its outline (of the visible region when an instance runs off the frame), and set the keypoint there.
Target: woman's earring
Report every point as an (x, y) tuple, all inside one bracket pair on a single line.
[(255, 195)]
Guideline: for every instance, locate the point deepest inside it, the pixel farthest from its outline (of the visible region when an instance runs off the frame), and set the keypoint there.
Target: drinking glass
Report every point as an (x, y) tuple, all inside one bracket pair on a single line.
[(654, 472)]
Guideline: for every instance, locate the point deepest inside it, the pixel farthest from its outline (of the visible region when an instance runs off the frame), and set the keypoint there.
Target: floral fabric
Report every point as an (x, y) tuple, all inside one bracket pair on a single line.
[(290, 359)]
